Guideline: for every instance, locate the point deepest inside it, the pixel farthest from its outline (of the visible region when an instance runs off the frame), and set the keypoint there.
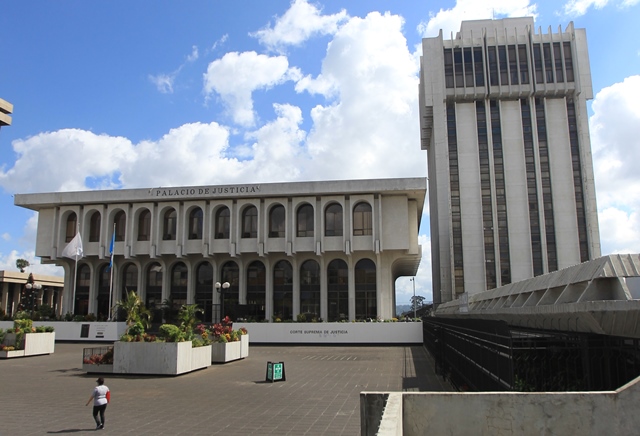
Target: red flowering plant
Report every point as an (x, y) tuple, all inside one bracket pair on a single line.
[(224, 332)]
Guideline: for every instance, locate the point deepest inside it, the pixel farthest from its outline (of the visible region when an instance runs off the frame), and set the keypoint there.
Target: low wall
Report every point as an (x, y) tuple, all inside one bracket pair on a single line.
[(333, 332), (512, 413), (91, 331)]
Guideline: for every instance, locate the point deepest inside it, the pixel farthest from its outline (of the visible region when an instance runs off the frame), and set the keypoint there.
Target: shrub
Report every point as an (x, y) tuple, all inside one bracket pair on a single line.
[(171, 333)]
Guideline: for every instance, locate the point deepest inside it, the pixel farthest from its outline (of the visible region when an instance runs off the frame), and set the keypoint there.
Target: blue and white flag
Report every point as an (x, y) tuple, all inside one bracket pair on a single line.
[(113, 242)]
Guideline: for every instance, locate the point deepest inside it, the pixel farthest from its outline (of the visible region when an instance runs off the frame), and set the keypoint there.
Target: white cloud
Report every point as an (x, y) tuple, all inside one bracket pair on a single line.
[(371, 129), (616, 149), (194, 54), (236, 75), (8, 263), (576, 8), (6, 236), (449, 19), (301, 21), (164, 82)]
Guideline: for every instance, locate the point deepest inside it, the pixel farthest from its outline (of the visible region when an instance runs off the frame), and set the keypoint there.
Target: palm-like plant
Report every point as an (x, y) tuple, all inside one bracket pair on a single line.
[(133, 306), (188, 318)]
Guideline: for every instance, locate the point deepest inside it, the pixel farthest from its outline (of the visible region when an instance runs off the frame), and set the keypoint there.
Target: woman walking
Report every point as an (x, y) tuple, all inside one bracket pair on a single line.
[(100, 397)]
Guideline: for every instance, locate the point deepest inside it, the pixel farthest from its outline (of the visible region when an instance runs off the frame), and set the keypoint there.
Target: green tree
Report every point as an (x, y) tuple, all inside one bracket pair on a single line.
[(188, 318), (21, 264), (417, 302)]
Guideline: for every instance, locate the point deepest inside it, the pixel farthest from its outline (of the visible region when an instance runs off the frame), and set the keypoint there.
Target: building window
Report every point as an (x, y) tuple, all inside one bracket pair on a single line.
[(545, 179), (169, 225), (448, 67), (493, 66), (250, 222), (456, 214), (458, 70), (104, 281), (144, 225), (276, 222), (256, 290), (362, 224), (195, 224), (223, 220), (129, 279), (501, 199), (532, 188), (333, 220), (568, 61), (305, 220), (504, 65), (153, 292), (94, 227), (283, 291), (537, 63), (478, 66), (548, 62), (524, 64), (120, 220), (179, 280), (310, 290), (577, 180), (338, 290), (485, 190), (365, 281), (230, 273), (72, 227), (204, 291)]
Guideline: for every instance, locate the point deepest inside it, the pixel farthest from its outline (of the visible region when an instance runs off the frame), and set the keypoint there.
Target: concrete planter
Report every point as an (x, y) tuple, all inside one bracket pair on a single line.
[(222, 352), (159, 358), (35, 344), (244, 346), (97, 369)]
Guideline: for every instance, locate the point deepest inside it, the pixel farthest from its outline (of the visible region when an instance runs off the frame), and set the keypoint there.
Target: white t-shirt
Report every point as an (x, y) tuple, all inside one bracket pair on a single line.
[(100, 395)]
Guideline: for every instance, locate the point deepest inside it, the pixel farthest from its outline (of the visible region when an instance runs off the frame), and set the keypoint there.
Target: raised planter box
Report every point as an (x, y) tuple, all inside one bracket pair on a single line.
[(222, 352), (334, 332), (159, 358), (35, 344)]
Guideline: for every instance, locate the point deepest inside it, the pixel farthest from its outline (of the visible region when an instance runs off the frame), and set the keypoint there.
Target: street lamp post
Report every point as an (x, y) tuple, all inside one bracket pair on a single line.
[(414, 297), (221, 288), (33, 289)]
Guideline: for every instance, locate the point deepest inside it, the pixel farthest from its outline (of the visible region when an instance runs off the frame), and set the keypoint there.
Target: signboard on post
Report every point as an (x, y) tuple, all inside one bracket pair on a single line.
[(275, 372)]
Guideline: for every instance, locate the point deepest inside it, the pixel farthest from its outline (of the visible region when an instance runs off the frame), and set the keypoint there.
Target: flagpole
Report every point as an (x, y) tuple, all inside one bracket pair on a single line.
[(112, 248), (75, 282), (75, 275)]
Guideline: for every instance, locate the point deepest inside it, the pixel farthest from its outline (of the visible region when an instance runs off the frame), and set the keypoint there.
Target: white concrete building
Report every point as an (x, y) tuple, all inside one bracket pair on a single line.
[(331, 250), (504, 122)]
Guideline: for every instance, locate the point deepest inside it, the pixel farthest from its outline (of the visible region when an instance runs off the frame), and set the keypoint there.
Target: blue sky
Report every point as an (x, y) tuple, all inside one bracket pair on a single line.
[(126, 94)]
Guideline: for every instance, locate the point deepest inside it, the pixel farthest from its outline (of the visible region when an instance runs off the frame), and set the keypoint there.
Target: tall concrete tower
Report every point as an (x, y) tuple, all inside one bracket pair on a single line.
[(504, 122)]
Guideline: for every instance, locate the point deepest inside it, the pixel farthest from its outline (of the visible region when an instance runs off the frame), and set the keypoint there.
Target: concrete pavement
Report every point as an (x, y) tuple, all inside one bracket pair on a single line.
[(46, 394)]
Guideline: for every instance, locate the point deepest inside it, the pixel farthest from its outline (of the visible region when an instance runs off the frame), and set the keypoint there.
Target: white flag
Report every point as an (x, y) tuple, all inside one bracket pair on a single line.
[(74, 248)]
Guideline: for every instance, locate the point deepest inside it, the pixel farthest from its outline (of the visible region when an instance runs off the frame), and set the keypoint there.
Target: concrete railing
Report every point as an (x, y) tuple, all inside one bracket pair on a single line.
[(503, 413)]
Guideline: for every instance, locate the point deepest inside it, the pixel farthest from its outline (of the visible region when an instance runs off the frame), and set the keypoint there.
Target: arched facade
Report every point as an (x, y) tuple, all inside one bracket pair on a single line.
[(333, 255)]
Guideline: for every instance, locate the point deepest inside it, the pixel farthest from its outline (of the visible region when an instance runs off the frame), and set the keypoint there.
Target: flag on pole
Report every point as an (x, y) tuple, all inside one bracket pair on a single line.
[(113, 242), (73, 248)]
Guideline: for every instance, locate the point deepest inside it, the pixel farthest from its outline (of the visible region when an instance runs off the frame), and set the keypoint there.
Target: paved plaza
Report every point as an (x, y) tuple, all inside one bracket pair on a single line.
[(47, 394)]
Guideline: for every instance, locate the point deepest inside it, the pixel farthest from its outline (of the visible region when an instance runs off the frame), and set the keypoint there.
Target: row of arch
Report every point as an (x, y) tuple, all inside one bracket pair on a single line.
[(253, 298), (305, 222)]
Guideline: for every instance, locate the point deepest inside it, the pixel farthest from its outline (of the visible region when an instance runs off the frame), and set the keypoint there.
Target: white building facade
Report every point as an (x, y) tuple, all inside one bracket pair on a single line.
[(320, 250), (505, 125)]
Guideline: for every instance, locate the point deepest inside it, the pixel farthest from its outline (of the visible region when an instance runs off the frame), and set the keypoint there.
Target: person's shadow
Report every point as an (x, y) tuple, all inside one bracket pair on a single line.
[(72, 430)]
